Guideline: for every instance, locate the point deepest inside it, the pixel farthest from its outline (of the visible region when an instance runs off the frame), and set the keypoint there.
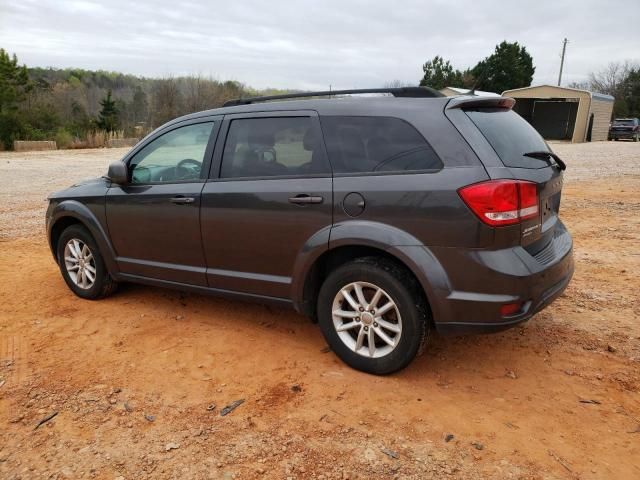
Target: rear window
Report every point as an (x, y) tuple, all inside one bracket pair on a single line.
[(630, 122), (511, 136), (376, 145)]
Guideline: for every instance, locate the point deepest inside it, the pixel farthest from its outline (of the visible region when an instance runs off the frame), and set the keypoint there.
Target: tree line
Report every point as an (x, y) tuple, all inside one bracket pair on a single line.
[(510, 66), (69, 105)]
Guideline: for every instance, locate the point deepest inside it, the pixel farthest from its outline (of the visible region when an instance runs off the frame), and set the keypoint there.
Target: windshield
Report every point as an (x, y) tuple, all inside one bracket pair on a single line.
[(624, 122), (511, 136)]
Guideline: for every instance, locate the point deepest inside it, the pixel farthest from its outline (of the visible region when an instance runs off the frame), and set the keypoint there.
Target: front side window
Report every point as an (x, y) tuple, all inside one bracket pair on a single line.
[(376, 145), (271, 147), (176, 156)]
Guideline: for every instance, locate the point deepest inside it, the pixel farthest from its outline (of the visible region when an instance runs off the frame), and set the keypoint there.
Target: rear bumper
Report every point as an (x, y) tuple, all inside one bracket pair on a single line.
[(481, 282), (622, 134)]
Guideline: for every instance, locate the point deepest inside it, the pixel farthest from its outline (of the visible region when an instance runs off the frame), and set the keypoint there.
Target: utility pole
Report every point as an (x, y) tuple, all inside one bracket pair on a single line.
[(564, 49)]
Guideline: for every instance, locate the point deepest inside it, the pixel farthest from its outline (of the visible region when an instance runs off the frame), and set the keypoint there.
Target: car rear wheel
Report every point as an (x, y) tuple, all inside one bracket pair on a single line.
[(373, 315), (81, 264)]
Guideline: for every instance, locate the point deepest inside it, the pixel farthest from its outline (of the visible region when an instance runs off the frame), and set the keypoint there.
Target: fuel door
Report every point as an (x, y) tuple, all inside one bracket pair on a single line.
[(353, 204)]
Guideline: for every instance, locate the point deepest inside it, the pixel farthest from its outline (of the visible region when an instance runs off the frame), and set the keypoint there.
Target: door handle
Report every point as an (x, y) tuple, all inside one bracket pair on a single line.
[(304, 199), (182, 200)]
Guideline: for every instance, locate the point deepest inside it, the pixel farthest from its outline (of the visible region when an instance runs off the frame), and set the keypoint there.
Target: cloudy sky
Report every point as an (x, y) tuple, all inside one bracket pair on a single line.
[(312, 44)]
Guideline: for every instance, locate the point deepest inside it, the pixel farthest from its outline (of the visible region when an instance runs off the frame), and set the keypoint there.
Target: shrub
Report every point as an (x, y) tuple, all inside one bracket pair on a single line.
[(63, 138)]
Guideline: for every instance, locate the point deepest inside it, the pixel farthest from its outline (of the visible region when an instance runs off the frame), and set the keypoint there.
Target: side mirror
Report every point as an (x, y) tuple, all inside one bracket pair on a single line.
[(117, 173)]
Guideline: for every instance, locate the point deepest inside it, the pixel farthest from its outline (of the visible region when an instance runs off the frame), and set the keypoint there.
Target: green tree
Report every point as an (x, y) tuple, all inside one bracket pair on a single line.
[(439, 73), (510, 66), (108, 117), (14, 86), (630, 92)]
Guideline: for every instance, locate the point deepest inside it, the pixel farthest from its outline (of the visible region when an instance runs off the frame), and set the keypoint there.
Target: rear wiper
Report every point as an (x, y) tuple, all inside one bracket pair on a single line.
[(547, 155)]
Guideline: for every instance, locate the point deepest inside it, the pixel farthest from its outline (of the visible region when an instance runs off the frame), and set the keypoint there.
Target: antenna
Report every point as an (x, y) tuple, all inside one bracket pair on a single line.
[(564, 49)]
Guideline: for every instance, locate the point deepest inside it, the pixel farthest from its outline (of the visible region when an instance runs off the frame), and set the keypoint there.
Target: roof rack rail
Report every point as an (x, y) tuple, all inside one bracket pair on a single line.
[(412, 92)]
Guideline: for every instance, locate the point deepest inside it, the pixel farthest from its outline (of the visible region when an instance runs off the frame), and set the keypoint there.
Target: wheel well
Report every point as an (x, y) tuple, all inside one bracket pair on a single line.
[(60, 226), (331, 260)]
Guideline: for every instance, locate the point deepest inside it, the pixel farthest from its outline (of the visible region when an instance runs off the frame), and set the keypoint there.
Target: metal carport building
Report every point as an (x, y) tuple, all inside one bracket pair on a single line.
[(561, 113)]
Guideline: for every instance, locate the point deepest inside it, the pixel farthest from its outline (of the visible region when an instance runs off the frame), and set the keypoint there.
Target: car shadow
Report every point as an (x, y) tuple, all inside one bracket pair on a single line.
[(498, 353)]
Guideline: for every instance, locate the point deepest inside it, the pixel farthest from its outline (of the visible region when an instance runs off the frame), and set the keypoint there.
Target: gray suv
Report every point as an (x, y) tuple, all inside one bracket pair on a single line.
[(380, 217)]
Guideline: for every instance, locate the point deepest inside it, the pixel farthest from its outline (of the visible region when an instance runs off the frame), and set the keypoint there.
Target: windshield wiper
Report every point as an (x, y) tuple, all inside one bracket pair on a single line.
[(547, 155)]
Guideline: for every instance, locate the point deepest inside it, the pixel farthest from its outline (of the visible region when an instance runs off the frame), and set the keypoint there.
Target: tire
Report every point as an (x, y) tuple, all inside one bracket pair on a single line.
[(410, 313), (77, 237), (635, 138)]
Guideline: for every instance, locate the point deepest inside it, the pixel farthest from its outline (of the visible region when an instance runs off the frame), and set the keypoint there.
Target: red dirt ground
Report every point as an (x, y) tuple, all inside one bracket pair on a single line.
[(555, 398)]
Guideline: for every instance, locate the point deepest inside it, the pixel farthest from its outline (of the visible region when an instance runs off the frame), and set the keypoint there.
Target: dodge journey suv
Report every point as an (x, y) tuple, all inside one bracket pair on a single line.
[(381, 218)]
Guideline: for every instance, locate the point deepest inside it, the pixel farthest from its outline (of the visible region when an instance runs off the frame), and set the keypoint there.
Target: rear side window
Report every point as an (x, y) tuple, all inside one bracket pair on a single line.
[(376, 144), (511, 136), (272, 147)]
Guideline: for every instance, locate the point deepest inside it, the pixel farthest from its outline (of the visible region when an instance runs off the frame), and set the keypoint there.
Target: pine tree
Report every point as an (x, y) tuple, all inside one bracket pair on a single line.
[(510, 66), (108, 116), (14, 86), (439, 73)]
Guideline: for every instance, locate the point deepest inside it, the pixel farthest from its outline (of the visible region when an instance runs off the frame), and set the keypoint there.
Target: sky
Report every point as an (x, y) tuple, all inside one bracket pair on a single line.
[(313, 44)]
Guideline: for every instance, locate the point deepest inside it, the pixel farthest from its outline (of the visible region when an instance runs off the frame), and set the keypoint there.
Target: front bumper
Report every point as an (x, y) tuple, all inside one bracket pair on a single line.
[(483, 281)]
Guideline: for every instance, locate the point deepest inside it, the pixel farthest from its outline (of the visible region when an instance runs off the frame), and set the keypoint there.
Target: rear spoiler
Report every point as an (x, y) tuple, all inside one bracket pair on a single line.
[(481, 102)]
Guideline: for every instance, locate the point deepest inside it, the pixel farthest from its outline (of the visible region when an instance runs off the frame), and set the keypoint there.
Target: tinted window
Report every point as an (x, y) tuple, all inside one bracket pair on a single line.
[(376, 144), (631, 122), (176, 156), (267, 147), (511, 136)]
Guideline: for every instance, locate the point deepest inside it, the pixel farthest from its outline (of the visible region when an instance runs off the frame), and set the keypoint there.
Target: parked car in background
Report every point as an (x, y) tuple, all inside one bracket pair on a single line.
[(626, 128), (381, 218)]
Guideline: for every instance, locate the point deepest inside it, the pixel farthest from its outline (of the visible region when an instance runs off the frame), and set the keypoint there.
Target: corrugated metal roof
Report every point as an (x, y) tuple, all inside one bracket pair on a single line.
[(599, 96), (602, 96)]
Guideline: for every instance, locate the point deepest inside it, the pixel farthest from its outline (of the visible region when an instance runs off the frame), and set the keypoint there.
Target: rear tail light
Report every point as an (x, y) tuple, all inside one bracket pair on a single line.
[(502, 202)]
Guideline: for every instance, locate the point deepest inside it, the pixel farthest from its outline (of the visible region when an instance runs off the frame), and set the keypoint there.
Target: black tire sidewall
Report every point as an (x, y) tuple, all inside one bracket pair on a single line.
[(81, 233), (390, 280)]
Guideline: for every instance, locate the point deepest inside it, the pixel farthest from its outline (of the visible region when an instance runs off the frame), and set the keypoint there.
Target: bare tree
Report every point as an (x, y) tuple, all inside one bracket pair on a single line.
[(585, 85), (194, 93), (609, 79), (399, 84), (166, 101)]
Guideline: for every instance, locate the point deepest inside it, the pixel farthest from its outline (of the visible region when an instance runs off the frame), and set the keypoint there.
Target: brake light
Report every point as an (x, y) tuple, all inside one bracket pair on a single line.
[(502, 202)]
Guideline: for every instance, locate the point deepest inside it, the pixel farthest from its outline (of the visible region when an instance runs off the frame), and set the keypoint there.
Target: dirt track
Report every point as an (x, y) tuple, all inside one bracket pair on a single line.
[(132, 376)]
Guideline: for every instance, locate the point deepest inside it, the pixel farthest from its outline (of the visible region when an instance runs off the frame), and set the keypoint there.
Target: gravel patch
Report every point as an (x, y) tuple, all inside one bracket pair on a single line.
[(590, 161), (26, 178)]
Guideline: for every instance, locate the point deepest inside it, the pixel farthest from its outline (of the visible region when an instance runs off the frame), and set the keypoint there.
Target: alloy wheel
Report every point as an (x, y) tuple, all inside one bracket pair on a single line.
[(79, 263), (366, 319)]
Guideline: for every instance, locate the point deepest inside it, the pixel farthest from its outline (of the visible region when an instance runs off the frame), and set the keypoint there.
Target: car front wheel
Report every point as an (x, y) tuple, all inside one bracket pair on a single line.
[(373, 315), (81, 264)]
